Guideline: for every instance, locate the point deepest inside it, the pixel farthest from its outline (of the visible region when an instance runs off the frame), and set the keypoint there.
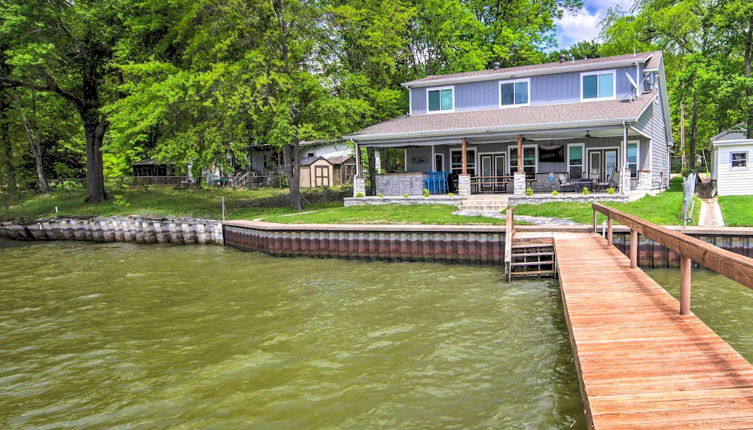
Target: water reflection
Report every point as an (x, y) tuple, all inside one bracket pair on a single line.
[(207, 337)]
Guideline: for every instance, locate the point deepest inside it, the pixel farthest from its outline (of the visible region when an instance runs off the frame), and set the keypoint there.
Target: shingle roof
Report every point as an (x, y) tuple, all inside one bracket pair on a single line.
[(338, 159), (652, 62), (307, 161), (522, 118)]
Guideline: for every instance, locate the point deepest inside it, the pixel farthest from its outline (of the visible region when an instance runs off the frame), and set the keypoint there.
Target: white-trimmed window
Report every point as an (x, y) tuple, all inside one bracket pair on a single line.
[(738, 159), (515, 93), (530, 159), (575, 156), (598, 85), (456, 161), (633, 150), (440, 99)]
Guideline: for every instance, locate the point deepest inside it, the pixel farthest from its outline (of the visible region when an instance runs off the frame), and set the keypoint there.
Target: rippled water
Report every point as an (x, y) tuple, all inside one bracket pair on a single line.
[(135, 336), (724, 305)]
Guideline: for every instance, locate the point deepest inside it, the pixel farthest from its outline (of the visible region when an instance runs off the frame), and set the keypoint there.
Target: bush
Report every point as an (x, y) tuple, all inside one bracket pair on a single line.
[(120, 202), (586, 191), (359, 195), (426, 192), (405, 196), (380, 195), (529, 191), (450, 194), (555, 193), (610, 190)]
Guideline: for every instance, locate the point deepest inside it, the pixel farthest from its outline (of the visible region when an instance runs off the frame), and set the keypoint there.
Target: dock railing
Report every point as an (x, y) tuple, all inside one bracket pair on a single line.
[(509, 233), (734, 266)]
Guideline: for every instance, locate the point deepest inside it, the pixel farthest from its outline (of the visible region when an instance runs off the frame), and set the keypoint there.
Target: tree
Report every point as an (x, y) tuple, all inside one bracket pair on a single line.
[(579, 51), (66, 49)]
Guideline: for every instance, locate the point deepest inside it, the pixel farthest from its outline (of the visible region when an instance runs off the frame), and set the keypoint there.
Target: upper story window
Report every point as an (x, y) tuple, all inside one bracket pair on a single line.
[(440, 99), (514, 93), (597, 85)]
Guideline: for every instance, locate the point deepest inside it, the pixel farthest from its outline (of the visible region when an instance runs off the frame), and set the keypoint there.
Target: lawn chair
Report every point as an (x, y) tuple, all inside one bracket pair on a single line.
[(609, 183), (565, 182)]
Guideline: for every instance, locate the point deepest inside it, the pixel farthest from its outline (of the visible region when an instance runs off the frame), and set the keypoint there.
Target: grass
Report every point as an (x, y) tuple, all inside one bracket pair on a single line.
[(170, 202), (737, 210), (384, 214), (663, 209)]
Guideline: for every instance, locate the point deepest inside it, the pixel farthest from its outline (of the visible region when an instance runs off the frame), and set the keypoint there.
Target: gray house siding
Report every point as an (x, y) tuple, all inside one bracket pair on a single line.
[(652, 124), (546, 89)]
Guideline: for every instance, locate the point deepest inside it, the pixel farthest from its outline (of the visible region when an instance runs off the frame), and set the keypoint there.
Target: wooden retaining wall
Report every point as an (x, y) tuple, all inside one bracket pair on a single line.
[(482, 245), (118, 229)]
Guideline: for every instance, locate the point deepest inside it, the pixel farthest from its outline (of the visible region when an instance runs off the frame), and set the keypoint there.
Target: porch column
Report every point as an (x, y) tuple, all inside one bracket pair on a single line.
[(371, 154), (625, 171), (464, 179), (519, 177), (359, 182)]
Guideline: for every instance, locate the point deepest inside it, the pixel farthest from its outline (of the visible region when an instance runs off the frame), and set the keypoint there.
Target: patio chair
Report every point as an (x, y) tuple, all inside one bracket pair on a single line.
[(565, 182), (609, 183)]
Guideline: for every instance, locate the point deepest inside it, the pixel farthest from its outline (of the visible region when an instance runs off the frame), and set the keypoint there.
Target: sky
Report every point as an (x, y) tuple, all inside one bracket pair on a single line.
[(584, 25)]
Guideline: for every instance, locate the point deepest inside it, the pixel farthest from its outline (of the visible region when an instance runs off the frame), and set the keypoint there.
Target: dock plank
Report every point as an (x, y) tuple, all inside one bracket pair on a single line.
[(640, 364)]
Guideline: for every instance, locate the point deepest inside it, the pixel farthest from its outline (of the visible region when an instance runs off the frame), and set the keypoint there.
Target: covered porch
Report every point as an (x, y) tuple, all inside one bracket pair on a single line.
[(608, 158)]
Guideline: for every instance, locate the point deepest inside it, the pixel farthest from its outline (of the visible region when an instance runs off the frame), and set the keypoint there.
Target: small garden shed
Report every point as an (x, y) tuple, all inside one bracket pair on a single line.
[(326, 172), (731, 169)]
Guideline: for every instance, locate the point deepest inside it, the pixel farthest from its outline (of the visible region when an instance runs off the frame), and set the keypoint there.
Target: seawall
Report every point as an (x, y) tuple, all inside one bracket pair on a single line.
[(463, 244), (118, 229)]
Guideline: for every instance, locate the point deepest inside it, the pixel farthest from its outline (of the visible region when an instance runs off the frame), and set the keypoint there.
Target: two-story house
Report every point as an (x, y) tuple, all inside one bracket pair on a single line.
[(593, 120)]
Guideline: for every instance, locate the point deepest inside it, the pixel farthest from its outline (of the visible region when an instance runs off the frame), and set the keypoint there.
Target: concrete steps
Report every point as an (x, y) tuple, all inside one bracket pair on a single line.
[(484, 202)]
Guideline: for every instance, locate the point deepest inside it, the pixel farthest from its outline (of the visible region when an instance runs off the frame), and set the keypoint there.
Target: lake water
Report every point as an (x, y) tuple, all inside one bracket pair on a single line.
[(149, 336)]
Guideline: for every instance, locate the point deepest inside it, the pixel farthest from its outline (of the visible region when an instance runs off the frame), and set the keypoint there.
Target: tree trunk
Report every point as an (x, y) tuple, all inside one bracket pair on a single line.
[(95, 126), (7, 152), (371, 154), (94, 132), (293, 173), (35, 144), (693, 133)]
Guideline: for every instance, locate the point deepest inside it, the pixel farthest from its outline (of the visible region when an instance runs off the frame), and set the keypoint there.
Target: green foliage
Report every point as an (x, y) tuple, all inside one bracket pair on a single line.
[(610, 191), (359, 195), (555, 193), (405, 196), (450, 194), (380, 195), (426, 192), (586, 191), (529, 191)]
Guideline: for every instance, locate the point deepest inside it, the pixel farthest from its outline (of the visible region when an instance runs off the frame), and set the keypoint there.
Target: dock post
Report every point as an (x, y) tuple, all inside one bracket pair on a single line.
[(633, 248), (594, 220), (685, 265), (609, 230)]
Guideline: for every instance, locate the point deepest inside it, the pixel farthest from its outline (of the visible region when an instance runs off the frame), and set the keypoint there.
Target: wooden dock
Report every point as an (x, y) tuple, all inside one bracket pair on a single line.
[(641, 364)]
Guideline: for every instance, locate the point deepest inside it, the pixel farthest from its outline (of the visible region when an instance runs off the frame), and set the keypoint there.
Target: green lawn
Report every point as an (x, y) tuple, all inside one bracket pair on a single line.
[(663, 208), (737, 210), (170, 202), (384, 214)]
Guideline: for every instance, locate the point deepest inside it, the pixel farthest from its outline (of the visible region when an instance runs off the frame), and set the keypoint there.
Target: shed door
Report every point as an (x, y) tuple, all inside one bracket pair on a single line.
[(321, 176)]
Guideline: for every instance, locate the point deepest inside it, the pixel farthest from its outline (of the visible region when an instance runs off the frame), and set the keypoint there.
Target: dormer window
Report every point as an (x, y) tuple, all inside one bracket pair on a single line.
[(440, 99), (515, 93), (597, 86)]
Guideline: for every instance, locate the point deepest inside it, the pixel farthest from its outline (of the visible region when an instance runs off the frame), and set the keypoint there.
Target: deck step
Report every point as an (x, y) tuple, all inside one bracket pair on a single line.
[(531, 245), (532, 273), (532, 254), (532, 263)]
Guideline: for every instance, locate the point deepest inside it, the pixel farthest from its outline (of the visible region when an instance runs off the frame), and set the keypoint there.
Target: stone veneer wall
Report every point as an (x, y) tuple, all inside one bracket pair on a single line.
[(118, 229), (538, 199), (456, 244), (410, 200)]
